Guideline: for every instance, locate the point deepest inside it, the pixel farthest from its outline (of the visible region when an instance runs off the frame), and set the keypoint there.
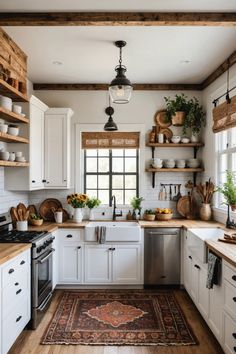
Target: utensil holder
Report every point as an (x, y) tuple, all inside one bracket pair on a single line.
[(22, 225)]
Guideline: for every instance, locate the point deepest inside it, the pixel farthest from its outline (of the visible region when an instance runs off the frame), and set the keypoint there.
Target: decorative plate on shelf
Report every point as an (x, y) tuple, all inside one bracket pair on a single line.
[(46, 208), (160, 119), (183, 206), (167, 132)]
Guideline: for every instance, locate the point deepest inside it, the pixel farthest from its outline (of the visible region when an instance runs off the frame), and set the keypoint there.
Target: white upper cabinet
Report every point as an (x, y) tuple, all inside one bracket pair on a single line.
[(57, 148)]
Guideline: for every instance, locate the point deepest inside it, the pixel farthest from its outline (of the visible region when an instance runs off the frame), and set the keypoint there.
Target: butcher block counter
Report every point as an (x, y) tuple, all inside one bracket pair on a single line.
[(11, 250)]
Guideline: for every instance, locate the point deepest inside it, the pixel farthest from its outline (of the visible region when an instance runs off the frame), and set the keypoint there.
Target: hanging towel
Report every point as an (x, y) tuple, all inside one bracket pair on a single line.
[(213, 270), (97, 230), (102, 234)]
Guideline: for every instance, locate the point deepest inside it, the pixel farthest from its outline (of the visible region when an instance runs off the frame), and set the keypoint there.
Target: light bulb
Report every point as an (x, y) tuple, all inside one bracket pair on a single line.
[(120, 91)]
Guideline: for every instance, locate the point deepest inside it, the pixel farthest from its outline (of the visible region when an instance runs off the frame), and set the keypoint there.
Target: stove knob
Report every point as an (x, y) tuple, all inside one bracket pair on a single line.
[(39, 249)]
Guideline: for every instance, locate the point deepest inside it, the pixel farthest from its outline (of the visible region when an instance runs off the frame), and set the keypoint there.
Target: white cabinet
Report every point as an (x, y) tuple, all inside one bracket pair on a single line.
[(113, 264), (215, 310), (70, 256), (57, 148), (31, 178), (14, 299)]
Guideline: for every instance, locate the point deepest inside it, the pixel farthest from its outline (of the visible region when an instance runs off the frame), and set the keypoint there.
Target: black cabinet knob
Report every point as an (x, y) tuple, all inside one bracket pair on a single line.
[(22, 262), (113, 249), (234, 298), (235, 349), (234, 335), (190, 257), (16, 284), (33, 181), (18, 291), (79, 247), (44, 180), (11, 270), (197, 266), (69, 236), (234, 277), (110, 249), (18, 318)]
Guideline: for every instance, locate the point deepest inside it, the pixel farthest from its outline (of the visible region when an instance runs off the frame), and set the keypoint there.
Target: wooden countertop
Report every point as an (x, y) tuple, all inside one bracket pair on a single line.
[(227, 251), (11, 250), (179, 223)]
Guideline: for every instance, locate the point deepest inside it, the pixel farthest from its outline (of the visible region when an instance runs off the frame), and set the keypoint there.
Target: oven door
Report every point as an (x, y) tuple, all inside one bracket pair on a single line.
[(41, 278)]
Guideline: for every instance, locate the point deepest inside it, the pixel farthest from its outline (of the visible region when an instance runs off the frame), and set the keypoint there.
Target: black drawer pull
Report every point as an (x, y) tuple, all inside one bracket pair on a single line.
[(197, 266), (234, 335), (44, 180), (235, 349), (234, 277), (18, 318), (16, 284), (11, 271), (113, 249), (69, 236), (33, 181), (234, 298), (18, 291), (22, 262), (79, 247), (190, 257), (110, 249)]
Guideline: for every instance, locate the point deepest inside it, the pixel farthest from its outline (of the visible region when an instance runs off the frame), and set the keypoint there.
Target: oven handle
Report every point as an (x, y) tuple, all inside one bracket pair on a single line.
[(44, 304), (47, 256)]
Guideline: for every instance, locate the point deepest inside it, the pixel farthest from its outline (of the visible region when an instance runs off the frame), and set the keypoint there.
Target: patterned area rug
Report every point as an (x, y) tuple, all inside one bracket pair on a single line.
[(120, 317)]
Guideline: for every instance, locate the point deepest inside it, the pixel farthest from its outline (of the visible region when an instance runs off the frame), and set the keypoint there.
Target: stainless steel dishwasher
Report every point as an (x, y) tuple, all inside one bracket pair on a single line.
[(162, 257)]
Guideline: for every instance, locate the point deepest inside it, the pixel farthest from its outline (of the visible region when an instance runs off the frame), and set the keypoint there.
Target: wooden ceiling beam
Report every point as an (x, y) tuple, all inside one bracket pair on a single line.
[(104, 87), (118, 19)]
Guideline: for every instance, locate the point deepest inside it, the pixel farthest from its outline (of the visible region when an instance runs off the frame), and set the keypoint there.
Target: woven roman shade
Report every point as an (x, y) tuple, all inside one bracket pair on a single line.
[(108, 140), (224, 116)]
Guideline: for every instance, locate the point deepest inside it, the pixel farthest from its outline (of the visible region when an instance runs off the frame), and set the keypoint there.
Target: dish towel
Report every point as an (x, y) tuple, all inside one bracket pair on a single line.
[(213, 270), (97, 233), (102, 234)]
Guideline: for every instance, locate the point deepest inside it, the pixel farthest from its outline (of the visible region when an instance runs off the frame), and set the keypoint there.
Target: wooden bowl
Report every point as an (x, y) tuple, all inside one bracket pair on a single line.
[(36, 222), (164, 217), (149, 217)]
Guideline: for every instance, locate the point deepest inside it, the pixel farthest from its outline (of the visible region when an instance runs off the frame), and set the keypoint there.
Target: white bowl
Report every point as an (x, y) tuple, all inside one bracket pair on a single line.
[(185, 140), (6, 102), (18, 153), (20, 159), (12, 156), (16, 109), (4, 155), (175, 139), (13, 131), (3, 128)]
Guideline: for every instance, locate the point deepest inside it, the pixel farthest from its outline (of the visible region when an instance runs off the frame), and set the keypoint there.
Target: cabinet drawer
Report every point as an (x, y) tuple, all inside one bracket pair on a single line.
[(230, 298), (229, 335), (13, 270), (14, 293), (230, 274), (14, 324), (70, 235)]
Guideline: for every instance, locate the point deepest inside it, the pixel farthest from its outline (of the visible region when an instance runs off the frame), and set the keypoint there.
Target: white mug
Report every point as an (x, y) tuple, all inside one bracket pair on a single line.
[(58, 215), (160, 138)]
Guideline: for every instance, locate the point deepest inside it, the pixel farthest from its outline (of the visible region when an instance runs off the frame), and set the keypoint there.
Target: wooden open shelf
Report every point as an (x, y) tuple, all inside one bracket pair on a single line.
[(7, 138), (12, 117), (9, 91), (13, 164), (199, 169), (174, 145)]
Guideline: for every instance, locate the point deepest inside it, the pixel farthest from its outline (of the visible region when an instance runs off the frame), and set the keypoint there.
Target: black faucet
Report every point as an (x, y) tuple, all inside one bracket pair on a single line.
[(114, 215)]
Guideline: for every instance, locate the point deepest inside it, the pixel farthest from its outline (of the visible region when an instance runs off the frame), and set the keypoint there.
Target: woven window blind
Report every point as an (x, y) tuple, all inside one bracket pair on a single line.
[(107, 140), (224, 116)]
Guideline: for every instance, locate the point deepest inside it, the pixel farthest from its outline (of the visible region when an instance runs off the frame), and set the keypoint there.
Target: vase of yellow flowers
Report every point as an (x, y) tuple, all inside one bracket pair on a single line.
[(78, 202)]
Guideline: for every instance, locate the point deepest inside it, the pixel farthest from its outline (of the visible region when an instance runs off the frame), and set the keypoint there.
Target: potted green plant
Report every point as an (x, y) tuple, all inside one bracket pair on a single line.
[(195, 118), (229, 190), (91, 204), (176, 109), (136, 205), (149, 215)]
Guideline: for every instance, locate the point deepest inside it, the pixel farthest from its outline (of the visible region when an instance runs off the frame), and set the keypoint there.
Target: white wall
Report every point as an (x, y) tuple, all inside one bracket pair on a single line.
[(89, 106)]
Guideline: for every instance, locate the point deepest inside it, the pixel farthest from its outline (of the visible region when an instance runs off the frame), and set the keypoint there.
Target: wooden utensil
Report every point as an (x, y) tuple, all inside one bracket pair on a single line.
[(32, 209), (14, 216), (26, 217), (20, 214), (23, 208)]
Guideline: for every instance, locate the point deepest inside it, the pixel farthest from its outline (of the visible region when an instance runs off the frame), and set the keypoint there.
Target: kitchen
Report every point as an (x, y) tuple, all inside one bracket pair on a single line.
[(69, 271)]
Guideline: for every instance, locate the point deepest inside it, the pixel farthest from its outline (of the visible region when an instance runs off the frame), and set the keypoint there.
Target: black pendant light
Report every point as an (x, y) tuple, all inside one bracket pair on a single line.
[(110, 125), (120, 88)]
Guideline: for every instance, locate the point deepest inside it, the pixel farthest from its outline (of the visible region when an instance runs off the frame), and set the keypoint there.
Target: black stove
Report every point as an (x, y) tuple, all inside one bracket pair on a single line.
[(21, 236)]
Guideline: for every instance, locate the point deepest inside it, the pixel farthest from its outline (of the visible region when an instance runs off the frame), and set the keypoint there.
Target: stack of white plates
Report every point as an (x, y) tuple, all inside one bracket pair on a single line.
[(180, 163), (193, 163), (169, 163)]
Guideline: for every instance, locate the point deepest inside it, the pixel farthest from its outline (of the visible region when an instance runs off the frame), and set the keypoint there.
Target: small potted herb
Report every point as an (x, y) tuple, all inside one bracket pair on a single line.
[(149, 215), (194, 119), (91, 204), (176, 109), (136, 205), (229, 190)]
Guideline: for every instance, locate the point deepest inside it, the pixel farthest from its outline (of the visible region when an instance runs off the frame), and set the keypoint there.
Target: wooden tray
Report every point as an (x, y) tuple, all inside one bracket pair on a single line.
[(45, 209), (227, 240), (160, 119), (183, 206)]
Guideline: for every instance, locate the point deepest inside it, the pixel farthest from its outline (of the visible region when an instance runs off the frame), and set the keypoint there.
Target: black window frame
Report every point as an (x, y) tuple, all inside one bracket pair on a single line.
[(110, 173)]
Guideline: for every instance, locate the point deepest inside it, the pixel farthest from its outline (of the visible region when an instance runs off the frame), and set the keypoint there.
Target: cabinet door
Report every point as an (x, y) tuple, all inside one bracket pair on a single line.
[(194, 281), (36, 147), (203, 292), (98, 264), (70, 263), (127, 264), (187, 270), (215, 310), (56, 151)]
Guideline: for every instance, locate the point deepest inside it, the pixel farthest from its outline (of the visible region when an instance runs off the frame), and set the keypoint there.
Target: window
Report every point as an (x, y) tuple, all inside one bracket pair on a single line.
[(226, 157), (110, 172)]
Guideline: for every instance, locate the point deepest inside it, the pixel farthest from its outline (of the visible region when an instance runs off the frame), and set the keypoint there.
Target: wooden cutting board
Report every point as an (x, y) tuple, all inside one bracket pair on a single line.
[(227, 240)]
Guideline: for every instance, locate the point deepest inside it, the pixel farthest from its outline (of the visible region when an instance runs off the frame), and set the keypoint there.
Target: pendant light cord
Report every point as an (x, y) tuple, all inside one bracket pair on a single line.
[(120, 60)]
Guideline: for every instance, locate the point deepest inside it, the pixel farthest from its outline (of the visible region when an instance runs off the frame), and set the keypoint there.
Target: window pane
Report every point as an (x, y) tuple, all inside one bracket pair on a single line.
[(103, 195), (117, 152), (223, 140), (103, 182), (92, 164), (130, 164), (130, 152), (117, 182), (119, 196), (129, 195), (91, 193), (103, 164), (233, 161), (91, 152), (103, 152), (117, 165), (91, 182), (130, 182), (223, 162), (233, 137)]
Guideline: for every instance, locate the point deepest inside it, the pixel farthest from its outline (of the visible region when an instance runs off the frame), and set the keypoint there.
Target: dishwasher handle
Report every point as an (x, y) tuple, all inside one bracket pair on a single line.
[(162, 233)]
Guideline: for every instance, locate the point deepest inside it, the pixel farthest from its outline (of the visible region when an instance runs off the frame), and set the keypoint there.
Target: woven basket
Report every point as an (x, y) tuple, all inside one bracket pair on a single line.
[(149, 217), (164, 217), (178, 119)]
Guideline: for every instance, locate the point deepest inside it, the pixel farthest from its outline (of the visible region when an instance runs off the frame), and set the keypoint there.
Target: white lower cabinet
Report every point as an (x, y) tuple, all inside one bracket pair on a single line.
[(98, 264), (14, 299), (215, 310)]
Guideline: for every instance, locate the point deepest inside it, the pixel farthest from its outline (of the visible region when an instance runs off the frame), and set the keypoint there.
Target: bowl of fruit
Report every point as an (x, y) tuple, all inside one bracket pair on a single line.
[(35, 220), (164, 214), (149, 215)]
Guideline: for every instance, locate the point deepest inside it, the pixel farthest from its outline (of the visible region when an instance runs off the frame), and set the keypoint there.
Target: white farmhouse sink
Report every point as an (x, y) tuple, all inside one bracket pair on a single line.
[(115, 231), (196, 241)]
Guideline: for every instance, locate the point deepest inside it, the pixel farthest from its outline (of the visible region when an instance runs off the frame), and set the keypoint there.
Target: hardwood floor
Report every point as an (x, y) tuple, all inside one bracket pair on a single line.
[(29, 341)]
